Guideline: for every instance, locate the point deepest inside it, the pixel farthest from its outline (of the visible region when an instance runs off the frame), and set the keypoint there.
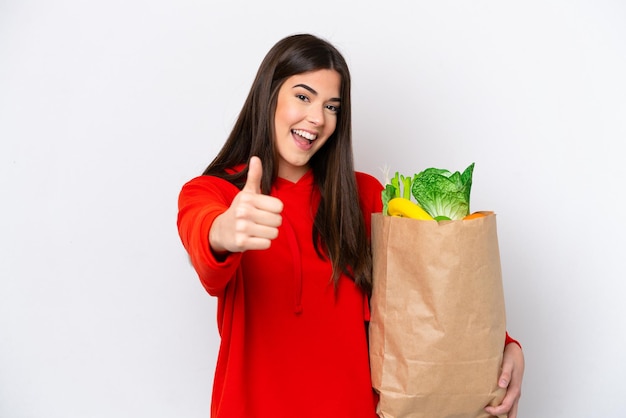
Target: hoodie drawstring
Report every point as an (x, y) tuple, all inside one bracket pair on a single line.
[(297, 264)]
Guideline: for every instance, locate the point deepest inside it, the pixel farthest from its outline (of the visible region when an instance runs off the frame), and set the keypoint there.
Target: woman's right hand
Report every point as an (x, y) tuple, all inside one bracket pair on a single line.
[(252, 220)]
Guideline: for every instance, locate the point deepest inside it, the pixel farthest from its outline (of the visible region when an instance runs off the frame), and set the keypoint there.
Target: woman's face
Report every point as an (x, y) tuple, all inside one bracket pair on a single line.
[(306, 115)]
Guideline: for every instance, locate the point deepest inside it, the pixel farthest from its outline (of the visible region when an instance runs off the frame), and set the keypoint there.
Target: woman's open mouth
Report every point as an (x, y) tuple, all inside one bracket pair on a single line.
[(305, 135)]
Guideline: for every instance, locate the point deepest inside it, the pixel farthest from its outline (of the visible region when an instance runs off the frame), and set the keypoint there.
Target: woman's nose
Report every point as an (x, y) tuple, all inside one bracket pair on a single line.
[(316, 115)]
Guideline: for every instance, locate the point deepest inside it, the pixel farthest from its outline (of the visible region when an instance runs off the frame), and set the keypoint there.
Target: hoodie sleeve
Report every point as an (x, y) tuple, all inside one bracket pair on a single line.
[(200, 201), (508, 340)]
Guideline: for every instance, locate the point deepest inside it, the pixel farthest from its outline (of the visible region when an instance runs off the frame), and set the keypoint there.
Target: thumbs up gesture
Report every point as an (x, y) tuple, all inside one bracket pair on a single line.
[(252, 220)]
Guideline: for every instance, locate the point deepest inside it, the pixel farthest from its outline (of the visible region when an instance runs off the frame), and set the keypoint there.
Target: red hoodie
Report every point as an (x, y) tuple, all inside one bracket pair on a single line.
[(291, 345)]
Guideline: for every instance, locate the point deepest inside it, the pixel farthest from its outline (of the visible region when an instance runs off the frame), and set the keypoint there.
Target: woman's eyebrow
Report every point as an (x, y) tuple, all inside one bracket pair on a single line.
[(312, 90)]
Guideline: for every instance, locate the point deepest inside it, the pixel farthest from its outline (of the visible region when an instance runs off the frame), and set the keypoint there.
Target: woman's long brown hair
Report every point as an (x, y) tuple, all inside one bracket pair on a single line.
[(339, 228)]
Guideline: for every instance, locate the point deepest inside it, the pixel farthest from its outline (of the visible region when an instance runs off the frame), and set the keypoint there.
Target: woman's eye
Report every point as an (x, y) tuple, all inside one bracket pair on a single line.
[(302, 97), (333, 108)]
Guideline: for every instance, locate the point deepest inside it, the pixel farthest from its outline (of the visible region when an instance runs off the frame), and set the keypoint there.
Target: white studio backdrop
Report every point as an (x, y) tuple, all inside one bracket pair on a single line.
[(107, 108)]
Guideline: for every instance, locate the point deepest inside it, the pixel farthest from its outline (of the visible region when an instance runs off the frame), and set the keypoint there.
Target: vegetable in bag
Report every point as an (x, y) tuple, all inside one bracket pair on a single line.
[(439, 194)]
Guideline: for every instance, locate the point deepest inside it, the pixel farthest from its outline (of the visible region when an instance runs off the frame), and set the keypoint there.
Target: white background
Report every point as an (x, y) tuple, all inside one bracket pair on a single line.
[(108, 107)]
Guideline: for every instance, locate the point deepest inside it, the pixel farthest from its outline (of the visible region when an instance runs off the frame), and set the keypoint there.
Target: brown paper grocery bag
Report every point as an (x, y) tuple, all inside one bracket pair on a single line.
[(437, 324)]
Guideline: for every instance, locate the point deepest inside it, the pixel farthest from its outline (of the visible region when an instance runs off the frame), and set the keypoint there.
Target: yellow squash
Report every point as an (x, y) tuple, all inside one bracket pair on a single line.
[(400, 206)]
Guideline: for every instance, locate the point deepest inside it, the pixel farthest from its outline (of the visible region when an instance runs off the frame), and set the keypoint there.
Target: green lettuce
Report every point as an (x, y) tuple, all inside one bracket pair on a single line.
[(443, 194)]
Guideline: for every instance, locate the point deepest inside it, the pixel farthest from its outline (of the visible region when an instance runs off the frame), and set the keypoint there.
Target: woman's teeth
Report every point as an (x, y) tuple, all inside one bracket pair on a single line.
[(308, 136)]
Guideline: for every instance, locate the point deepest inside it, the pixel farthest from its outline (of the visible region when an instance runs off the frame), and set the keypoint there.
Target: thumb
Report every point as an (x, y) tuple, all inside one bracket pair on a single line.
[(505, 375), (255, 173)]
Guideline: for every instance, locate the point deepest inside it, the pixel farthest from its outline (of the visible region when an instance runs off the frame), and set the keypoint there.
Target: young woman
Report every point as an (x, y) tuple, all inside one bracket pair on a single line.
[(277, 229)]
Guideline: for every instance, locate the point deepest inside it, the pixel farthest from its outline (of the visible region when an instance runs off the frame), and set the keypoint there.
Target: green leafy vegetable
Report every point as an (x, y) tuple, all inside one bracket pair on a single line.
[(387, 194), (395, 182), (406, 186), (398, 186), (443, 193)]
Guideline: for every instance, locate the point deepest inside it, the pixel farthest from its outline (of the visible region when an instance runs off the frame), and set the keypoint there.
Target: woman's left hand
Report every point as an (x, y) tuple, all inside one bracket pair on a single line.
[(511, 380)]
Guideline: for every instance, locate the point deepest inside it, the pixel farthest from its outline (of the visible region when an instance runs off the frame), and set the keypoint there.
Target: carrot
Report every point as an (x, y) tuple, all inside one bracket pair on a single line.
[(474, 215)]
